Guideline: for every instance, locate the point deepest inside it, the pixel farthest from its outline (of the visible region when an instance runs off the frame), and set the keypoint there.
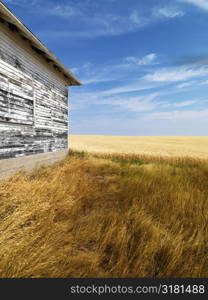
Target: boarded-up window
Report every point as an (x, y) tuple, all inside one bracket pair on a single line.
[(43, 106), (16, 98), (51, 110), (60, 111)]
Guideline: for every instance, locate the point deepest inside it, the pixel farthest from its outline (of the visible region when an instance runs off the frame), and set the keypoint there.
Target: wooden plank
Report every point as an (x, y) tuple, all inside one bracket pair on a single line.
[(33, 103)]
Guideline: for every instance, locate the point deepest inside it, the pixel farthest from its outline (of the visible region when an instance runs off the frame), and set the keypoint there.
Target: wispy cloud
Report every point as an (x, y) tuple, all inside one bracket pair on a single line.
[(123, 89), (93, 24), (122, 98), (179, 104), (135, 104), (131, 75), (168, 12), (186, 84), (205, 82), (142, 103), (149, 92), (203, 4), (178, 114), (176, 74), (97, 26), (63, 11), (138, 19), (126, 69), (21, 3), (143, 61), (193, 83), (146, 103)]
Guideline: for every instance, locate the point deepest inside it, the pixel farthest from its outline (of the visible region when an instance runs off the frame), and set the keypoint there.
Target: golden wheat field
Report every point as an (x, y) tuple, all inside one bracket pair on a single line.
[(106, 215), (155, 146)]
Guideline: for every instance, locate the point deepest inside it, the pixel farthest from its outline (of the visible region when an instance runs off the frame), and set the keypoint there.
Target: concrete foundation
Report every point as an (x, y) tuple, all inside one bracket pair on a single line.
[(11, 166)]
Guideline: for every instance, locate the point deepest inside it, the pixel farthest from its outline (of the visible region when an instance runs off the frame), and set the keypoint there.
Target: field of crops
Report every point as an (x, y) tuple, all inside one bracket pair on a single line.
[(106, 215), (155, 146)]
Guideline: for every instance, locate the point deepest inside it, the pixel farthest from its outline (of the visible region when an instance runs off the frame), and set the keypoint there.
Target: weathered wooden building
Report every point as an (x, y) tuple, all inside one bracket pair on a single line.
[(33, 92)]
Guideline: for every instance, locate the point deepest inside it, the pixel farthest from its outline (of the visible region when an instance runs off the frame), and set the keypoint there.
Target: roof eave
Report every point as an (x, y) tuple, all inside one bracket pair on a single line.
[(8, 16)]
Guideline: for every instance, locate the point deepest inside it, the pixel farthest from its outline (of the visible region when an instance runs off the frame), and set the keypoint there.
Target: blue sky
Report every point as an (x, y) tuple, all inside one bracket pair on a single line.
[(143, 64)]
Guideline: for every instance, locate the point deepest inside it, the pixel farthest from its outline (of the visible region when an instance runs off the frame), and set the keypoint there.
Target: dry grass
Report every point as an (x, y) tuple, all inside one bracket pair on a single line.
[(196, 147), (106, 217)]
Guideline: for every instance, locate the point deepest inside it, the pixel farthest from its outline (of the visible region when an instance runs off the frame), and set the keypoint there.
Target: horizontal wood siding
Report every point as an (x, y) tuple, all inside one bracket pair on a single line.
[(33, 101)]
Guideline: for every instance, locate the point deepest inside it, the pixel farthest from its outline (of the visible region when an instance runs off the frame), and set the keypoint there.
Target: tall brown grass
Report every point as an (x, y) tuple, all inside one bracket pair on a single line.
[(115, 216)]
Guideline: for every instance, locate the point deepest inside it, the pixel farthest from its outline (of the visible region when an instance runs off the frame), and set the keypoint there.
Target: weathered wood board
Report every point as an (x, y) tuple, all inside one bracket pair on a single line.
[(33, 101)]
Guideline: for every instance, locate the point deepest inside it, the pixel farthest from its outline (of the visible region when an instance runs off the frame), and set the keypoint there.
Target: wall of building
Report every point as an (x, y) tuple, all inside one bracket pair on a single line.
[(33, 100)]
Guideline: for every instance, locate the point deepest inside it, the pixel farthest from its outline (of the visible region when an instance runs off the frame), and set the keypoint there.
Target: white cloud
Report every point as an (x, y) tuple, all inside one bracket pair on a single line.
[(136, 104), (128, 70), (21, 3), (92, 73), (203, 4), (93, 23), (143, 61), (63, 11), (138, 126), (96, 26), (167, 12), (179, 104), (134, 87), (121, 101), (205, 82), (185, 103), (74, 70), (121, 98), (186, 84), (137, 19), (176, 74), (193, 83), (178, 114)]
